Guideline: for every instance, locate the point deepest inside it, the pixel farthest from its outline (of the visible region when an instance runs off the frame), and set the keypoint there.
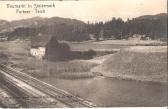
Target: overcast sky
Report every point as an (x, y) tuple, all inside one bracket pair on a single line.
[(90, 10)]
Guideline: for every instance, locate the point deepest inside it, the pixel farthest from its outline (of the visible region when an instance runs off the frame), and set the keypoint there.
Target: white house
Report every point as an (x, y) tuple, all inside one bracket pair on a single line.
[(3, 38), (137, 37), (39, 52)]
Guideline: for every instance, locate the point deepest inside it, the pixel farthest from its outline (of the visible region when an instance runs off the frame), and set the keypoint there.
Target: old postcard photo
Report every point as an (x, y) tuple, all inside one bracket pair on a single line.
[(83, 53)]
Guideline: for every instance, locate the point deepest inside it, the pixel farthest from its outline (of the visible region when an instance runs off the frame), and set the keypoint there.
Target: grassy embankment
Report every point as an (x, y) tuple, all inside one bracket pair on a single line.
[(141, 63)]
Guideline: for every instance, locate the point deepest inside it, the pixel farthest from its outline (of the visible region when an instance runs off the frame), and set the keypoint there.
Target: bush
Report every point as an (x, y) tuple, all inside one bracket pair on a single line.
[(56, 51)]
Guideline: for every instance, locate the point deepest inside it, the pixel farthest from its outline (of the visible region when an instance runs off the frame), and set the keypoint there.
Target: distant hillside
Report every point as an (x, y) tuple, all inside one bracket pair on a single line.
[(3, 22), (62, 28), (153, 17), (37, 22), (4, 26)]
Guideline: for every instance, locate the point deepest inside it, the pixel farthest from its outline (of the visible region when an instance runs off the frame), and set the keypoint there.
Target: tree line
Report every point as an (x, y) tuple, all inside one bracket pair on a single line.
[(119, 29)]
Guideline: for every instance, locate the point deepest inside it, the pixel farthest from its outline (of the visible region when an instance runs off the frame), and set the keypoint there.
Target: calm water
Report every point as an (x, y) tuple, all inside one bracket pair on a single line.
[(114, 92)]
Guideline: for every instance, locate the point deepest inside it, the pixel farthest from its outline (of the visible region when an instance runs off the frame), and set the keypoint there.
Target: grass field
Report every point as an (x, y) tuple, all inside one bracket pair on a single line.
[(131, 62), (111, 44), (17, 54)]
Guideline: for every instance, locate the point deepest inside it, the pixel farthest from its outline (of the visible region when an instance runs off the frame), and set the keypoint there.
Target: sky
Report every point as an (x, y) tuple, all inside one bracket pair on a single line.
[(87, 10)]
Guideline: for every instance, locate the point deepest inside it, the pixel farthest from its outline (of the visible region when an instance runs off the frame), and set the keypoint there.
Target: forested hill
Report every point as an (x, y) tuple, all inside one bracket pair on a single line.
[(62, 28), (153, 26)]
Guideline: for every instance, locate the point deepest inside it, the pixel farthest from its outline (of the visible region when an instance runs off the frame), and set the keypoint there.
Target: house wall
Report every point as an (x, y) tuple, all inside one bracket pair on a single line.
[(39, 52)]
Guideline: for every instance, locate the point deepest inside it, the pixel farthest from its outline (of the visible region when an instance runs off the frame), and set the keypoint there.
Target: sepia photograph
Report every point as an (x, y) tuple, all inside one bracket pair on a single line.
[(83, 53)]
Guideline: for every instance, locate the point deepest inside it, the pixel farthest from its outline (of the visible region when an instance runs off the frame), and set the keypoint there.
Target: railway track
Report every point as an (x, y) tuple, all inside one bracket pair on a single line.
[(6, 100), (66, 99), (27, 95)]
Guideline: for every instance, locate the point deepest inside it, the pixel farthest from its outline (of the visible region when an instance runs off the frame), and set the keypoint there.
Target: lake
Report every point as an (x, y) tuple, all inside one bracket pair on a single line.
[(114, 92)]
